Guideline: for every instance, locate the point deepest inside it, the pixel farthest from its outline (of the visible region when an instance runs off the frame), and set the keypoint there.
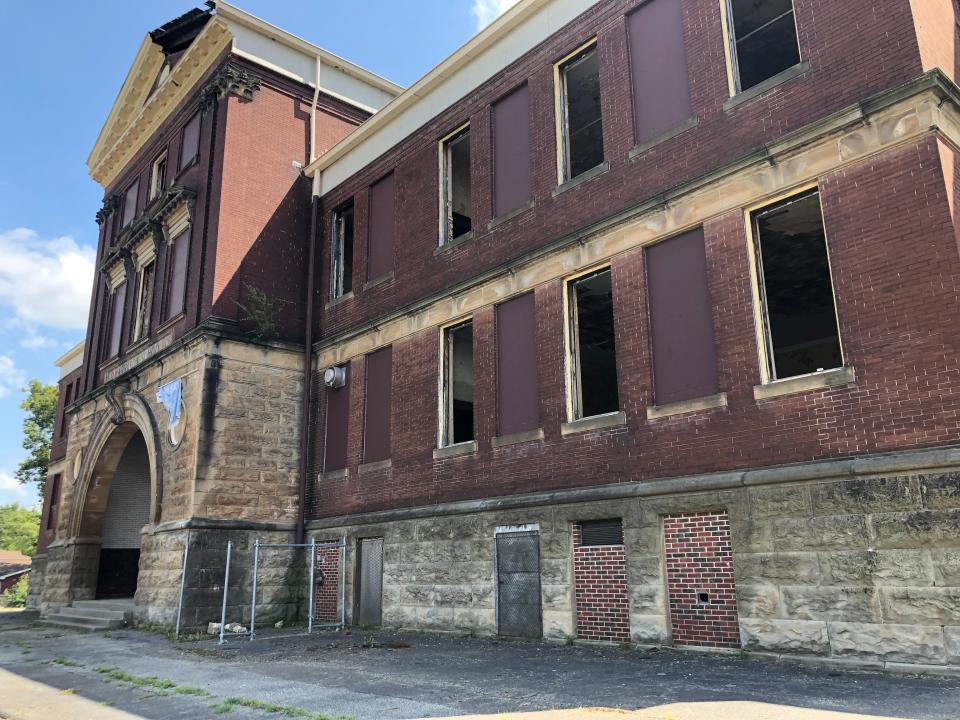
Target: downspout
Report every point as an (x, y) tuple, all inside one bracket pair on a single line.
[(308, 330), (307, 372)]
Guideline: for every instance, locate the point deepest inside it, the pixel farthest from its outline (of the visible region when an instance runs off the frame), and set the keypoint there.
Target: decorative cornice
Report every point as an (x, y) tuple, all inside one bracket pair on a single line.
[(230, 79), (110, 205)]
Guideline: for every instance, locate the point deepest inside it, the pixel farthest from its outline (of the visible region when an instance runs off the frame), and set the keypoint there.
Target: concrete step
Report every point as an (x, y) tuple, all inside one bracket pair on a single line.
[(123, 605), (91, 612), (82, 624)]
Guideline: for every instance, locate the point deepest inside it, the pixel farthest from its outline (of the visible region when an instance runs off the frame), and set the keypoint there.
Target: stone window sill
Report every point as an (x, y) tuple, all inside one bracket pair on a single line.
[(375, 466), (450, 451), (171, 321), (641, 148), (452, 244), (582, 178), (771, 82), (337, 300), (378, 280), (710, 402), (501, 219), (517, 438), (334, 474), (594, 422), (805, 383)]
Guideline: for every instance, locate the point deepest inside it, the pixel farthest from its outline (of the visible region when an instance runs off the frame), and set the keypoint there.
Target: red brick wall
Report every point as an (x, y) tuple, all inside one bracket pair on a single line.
[(834, 37), (699, 559), (603, 609), (899, 324), (326, 597)]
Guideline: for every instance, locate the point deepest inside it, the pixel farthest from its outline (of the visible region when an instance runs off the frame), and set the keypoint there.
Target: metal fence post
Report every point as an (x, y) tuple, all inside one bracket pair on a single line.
[(183, 579), (253, 596), (226, 585), (313, 563), (343, 582)]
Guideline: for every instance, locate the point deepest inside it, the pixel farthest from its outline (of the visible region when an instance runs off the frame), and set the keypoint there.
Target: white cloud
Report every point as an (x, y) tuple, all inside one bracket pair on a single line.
[(486, 11), (12, 378), (45, 282), (9, 483)]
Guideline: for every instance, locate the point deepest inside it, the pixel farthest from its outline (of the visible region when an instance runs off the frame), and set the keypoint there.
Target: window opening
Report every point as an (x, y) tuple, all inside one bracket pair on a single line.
[(458, 385), (601, 532), (341, 281), (455, 200), (594, 357), (763, 39), (158, 176), (581, 129), (141, 325), (54, 502)]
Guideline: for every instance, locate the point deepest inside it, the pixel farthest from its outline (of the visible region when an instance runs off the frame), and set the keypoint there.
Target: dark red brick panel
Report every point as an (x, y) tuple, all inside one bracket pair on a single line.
[(602, 604)]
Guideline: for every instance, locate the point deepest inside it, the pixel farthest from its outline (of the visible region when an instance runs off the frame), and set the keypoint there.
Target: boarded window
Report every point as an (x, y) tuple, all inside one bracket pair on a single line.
[(793, 269), (144, 306), (380, 238), (456, 410), (116, 318), (341, 252), (511, 152), (338, 424), (457, 218), (130, 203), (601, 532), (580, 123), (594, 356), (376, 426), (658, 67), (517, 396), (681, 319), (177, 254), (54, 502), (764, 39), (190, 141)]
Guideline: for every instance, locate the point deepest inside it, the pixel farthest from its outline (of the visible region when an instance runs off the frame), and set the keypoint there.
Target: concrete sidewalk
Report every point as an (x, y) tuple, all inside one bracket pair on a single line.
[(22, 699), (680, 711)]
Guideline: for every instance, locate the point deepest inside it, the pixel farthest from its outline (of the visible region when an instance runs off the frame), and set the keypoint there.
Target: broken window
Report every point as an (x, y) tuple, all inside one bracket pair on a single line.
[(341, 253), (763, 39), (793, 275), (141, 323), (456, 413), (455, 186), (593, 360), (117, 301), (130, 203), (581, 129), (158, 175)]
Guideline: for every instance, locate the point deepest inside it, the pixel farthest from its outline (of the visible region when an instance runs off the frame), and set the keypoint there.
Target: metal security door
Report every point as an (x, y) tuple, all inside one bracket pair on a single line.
[(518, 584), (370, 582)]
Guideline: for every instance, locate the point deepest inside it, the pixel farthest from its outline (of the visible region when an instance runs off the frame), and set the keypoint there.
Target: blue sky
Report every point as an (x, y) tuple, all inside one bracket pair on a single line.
[(65, 62)]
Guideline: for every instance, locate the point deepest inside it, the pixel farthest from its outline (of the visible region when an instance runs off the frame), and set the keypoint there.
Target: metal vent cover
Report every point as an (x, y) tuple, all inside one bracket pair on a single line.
[(601, 532)]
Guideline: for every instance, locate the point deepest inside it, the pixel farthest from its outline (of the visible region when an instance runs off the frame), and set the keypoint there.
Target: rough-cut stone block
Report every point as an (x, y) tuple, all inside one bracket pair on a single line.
[(483, 621), (794, 568), (644, 569), (758, 601), (946, 566), (924, 606), (922, 528), (555, 572), (780, 502), (951, 636), (558, 624), (820, 533), (649, 629), (751, 536), (866, 495), (785, 636), (556, 597), (877, 567), (858, 604), (646, 599), (448, 528), (899, 643), (941, 491)]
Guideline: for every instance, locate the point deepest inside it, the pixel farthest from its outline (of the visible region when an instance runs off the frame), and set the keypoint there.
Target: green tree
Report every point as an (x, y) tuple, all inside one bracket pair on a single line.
[(19, 527), (41, 408)]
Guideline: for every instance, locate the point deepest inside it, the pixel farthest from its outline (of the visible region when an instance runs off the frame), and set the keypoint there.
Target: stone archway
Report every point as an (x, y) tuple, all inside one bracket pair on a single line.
[(118, 491)]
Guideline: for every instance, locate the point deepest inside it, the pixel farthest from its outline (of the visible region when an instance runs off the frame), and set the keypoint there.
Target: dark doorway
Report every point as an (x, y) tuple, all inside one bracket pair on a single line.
[(518, 584), (127, 511), (369, 584)]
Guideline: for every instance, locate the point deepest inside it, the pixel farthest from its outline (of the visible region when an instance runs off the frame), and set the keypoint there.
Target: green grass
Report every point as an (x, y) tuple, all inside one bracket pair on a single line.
[(61, 660), (188, 690), (159, 686), (285, 710)]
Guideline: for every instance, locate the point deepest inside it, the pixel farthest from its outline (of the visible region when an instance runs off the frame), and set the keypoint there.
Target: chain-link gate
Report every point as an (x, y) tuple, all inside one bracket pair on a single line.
[(518, 584), (370, 582)]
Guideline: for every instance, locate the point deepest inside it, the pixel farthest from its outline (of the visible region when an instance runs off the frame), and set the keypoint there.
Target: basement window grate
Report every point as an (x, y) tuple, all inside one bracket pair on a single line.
[(601, 532)]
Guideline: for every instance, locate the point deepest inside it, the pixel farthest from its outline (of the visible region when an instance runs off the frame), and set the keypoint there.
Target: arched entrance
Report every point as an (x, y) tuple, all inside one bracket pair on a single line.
[(127, 511)]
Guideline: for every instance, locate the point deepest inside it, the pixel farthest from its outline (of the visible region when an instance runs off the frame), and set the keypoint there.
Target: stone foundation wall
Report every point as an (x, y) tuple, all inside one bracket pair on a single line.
[(38, 567), (866, 569)]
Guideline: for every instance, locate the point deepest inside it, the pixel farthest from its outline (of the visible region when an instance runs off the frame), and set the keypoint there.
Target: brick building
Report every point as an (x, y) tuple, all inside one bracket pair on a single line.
[(630, 321)]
